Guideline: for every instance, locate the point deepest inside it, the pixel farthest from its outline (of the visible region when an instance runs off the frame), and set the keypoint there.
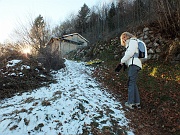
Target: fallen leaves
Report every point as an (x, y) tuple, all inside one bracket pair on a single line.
[(160, 96)]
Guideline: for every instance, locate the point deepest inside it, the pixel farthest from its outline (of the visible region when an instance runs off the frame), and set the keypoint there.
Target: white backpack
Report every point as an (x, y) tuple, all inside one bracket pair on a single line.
[(142, 53)]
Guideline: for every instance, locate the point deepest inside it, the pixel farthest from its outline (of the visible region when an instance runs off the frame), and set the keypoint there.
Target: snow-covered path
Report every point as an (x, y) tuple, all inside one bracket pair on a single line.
[(76, 101)]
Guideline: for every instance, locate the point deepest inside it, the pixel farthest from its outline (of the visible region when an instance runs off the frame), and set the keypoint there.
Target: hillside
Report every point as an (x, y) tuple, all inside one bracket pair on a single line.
[(43, 93), (159, 80), (159, 83)]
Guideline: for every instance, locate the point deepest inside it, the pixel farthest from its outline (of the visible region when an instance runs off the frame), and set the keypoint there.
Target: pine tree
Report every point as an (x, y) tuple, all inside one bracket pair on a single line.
[(39, 33), (82, 20), (111, 14)]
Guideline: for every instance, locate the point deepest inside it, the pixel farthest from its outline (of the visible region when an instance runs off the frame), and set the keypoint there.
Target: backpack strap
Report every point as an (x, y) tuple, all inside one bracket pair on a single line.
[(132, 60), (135, 54)]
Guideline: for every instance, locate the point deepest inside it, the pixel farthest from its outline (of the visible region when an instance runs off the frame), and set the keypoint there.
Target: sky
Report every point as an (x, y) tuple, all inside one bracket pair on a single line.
[(15, 12), (64, 107)]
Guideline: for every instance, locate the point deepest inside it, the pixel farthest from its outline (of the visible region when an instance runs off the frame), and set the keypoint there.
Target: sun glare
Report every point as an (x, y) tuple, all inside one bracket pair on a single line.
[(26, 50)]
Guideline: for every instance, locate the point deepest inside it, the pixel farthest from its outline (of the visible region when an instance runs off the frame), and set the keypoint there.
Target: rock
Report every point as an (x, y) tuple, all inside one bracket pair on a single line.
[(156, 56), (178, 57), (158, 50), (116, 56), (176, 39), (149, 56), (138, 33), (141, 38), (141, 35), (145, 36), (147, 41), (151, 32), (145, 29), (151, 51), (152, 38), (155, 44), (150, 45)]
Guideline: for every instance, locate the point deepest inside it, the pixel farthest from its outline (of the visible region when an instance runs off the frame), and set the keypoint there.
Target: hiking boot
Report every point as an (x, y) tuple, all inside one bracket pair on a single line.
[(138, 105), (131, 106)]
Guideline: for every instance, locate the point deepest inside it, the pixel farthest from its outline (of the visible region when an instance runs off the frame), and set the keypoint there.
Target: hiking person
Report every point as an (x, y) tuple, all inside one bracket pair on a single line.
[(134, 64)]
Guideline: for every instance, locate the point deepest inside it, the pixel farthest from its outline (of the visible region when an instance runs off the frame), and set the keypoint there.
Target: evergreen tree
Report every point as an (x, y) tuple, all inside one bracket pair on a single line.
[(92, 21), (38, 33), (111, 17), (82, 19)]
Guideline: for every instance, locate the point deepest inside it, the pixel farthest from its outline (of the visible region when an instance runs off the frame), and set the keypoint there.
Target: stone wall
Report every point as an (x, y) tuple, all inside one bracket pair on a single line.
[(158, 46)]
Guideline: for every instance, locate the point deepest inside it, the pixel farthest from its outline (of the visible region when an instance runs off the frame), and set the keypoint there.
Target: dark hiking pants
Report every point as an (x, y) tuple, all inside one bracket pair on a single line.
[(133, 93)]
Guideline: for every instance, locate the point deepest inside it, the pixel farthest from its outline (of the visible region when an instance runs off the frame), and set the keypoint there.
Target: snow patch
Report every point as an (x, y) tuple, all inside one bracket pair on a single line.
[(75, 101)]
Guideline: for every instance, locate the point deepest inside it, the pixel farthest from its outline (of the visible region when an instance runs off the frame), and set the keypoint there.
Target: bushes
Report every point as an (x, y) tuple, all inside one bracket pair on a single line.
[(27, 73), (51, 61)]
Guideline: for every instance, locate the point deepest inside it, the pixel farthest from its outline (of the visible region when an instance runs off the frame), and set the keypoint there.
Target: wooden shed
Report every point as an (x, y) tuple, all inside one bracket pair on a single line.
[(66, 43)]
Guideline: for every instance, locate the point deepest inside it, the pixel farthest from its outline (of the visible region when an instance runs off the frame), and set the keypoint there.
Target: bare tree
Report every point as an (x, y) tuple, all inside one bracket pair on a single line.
[(35, 33), (66, 27), (168, 15)]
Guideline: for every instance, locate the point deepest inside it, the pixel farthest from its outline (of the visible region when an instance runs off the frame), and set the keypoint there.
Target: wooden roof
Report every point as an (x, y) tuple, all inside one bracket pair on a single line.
[(64, 36), (67, 40)]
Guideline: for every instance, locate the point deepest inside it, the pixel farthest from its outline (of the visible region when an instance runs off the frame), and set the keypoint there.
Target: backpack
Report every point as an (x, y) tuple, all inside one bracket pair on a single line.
[(142, 51)]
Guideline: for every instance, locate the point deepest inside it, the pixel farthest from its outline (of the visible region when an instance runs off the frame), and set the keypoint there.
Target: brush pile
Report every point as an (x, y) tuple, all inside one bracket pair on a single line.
[(20, 74)]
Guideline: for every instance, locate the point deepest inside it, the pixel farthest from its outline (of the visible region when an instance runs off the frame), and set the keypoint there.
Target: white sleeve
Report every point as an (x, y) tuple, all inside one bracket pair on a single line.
[(133, 45)]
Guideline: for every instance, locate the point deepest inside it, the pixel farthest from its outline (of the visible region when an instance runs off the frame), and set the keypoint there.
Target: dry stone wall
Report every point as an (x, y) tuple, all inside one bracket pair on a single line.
[(157, 46), (153, 42)]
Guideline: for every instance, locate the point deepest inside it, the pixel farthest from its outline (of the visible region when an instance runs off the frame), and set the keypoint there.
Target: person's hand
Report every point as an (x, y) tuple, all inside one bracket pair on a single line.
[(124, 66), (118, 67)]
